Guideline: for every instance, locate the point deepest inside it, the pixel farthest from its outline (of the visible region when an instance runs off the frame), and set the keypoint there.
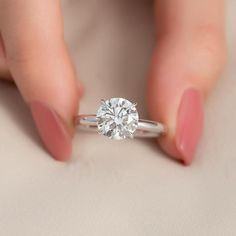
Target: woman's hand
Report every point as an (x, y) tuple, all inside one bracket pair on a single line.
[(37, 57), (187, 60)]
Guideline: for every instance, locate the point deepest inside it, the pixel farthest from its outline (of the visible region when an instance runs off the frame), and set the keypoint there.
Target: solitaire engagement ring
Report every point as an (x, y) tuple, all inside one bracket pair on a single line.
[(117, 118)]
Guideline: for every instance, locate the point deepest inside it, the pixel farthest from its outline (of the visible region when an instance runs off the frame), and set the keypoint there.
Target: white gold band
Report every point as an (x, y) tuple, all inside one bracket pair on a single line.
[(145, 129)]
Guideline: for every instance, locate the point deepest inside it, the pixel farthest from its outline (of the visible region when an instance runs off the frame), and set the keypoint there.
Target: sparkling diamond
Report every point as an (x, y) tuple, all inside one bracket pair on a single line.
[(117, 118)]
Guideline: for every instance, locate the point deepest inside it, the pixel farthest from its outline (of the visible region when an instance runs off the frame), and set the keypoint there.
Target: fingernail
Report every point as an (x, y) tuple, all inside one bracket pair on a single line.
[(189, 124), (52, 131)]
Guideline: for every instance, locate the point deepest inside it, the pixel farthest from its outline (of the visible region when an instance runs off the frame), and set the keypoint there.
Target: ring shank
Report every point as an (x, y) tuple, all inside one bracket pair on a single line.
[(146, 128)]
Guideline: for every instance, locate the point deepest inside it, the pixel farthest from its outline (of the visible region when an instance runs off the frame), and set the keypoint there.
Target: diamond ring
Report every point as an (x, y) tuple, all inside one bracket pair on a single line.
[(117, 118)]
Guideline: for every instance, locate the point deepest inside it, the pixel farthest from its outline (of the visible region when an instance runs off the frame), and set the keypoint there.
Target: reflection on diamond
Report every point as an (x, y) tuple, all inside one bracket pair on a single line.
[(117, 118)]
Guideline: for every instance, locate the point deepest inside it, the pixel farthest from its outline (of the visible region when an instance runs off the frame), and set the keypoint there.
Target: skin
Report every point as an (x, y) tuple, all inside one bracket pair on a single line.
[(185, 29)]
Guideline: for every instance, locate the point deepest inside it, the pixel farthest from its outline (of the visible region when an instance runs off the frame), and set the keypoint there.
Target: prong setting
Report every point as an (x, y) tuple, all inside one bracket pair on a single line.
[(117, 118)]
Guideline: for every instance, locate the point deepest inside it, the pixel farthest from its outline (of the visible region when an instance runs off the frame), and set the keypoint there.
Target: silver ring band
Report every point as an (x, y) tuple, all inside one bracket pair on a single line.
[(118, 118), (145, 129)]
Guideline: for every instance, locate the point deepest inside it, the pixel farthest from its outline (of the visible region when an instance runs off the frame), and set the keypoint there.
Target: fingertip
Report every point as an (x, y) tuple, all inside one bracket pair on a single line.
[(181, 143), (52, 130), (189, 127)]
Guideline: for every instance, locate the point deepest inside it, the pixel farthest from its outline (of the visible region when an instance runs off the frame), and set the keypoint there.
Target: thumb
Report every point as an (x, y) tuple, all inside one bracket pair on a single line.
[(180, 78), (41, 67), (187, 62)]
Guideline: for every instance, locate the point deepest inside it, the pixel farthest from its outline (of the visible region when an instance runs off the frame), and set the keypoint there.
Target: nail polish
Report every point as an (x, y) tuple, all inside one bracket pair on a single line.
[(53, 132), (189, 124)]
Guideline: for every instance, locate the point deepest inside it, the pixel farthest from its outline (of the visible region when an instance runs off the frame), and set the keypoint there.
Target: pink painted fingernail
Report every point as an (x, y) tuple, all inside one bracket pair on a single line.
[(189, 124), (52, 131)]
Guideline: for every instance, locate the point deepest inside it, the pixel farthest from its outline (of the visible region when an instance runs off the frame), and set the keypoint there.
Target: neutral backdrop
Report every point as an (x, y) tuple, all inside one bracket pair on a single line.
[(127, 188)]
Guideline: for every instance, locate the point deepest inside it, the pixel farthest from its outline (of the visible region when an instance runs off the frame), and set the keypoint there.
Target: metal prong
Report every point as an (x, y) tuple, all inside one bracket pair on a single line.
[(103, 101), (131, 136), (135, 104)]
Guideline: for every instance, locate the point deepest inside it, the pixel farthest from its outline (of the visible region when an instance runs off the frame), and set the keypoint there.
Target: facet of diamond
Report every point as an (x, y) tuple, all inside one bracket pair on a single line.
[(117, 118)]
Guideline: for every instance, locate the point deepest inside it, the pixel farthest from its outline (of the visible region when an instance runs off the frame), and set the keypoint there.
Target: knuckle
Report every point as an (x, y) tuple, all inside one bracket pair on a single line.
[(20, 57), (209, 43), (26, 52)]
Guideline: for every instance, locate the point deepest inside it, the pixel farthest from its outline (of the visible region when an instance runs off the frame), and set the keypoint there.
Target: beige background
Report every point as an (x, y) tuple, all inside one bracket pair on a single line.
[(109, 188)]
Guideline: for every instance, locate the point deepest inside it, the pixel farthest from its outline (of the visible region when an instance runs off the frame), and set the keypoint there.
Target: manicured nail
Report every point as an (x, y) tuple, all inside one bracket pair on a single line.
[(189, 124), (52, 131)]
